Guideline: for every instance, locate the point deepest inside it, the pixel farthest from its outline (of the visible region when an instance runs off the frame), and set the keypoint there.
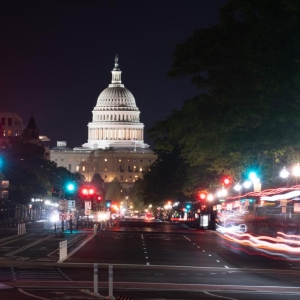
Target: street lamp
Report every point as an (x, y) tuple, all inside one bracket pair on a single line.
[(284, 173)]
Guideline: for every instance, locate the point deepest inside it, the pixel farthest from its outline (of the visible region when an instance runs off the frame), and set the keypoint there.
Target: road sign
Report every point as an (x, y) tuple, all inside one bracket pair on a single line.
[(71, 204), (70, 215), (87, 205), (62, 216), (63, 205)]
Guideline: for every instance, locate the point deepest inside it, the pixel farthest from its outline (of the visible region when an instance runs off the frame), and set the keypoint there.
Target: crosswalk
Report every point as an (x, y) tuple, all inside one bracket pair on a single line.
[(38, 274)]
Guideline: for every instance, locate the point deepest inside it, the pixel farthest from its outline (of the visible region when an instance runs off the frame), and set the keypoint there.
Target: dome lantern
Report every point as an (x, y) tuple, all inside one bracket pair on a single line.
[(116, 74)]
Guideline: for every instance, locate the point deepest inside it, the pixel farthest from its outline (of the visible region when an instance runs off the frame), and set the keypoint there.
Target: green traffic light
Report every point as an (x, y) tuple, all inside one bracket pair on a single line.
[(70, 187)]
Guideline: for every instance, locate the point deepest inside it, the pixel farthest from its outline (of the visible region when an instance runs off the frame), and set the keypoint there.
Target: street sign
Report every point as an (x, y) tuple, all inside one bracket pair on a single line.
[(87, 205), (70, 215), (63, 205), (71, 204), (62, 216)]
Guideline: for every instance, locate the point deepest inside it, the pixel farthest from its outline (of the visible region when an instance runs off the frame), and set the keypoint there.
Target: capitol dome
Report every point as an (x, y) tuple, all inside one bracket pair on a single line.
[(116, 96), (116, 118)]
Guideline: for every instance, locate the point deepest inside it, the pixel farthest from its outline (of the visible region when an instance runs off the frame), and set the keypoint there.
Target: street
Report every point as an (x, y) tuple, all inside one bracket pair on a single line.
[(150, 260)]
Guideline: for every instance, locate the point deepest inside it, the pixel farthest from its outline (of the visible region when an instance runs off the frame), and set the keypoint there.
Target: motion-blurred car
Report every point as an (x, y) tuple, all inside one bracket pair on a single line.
[(232, 227)]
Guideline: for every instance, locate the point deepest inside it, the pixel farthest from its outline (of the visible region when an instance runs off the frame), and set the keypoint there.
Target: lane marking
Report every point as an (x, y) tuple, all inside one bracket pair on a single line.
[(76, 249), (187, 238), (30, 245), (223, 297), (226, 267), (31, 295)]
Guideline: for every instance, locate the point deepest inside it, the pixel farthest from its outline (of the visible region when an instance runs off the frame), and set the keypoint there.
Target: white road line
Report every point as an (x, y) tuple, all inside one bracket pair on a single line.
[(29, 245), (217, 261), (187, 238), (198, 247), (22, 291), (226, 267), (142, 236), (77, 248), (11, 241), (223, 297)]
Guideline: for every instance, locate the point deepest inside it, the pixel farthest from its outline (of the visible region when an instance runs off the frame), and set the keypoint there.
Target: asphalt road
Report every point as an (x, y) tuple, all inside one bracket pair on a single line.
[(149, 260)]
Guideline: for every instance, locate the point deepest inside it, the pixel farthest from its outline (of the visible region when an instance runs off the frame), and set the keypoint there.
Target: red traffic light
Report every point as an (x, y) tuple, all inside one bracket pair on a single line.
[(226, 181), (202, 196), (87, 191)]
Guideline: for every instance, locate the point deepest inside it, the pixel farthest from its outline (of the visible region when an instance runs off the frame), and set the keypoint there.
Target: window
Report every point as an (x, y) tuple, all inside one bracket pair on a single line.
[(149, 160), (105, 169), (121, 177), (9, 121), (9, 132), (105, 177), (62, 159), (141, 160), (83, 168), (70, 167), (3, 121), (77, 168)]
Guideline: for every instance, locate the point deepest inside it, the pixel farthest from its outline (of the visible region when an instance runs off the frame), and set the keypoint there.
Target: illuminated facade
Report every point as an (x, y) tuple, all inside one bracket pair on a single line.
[(115, 146)]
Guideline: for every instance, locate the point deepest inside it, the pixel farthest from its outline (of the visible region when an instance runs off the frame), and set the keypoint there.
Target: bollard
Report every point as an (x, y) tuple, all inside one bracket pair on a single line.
[(95, 278), (71, 225), (95, 228), (63, 250), (110, 283)]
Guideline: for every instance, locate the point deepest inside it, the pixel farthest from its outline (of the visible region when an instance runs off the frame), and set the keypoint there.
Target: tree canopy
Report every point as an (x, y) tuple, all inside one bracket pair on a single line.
[(247, 70)]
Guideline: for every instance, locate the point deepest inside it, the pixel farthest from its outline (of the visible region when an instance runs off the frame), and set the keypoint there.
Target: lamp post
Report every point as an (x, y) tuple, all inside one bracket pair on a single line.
[(285, 174)]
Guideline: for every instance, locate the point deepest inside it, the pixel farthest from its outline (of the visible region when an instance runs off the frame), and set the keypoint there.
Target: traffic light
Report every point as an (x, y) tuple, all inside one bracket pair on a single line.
[(108, 204), (87, 191), (226, 181), (70, 187), (202, 195)]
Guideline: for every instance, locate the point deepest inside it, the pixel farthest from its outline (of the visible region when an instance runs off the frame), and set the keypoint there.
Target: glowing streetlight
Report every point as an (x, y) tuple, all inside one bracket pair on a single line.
[(284, 173), (296, 170), (247, 184)]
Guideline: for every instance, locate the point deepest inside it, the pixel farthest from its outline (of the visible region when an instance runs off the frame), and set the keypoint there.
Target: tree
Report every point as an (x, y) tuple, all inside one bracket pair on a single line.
[(247, 69), (98, 183), (27, 170), (114, 191), (137, 194)]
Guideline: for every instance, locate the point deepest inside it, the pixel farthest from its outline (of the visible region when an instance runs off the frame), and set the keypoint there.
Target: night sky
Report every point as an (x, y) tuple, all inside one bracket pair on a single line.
[(56, 58)]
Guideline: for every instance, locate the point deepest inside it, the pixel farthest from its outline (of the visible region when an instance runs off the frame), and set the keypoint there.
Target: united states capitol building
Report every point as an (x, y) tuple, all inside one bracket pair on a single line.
[(115, 146)]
